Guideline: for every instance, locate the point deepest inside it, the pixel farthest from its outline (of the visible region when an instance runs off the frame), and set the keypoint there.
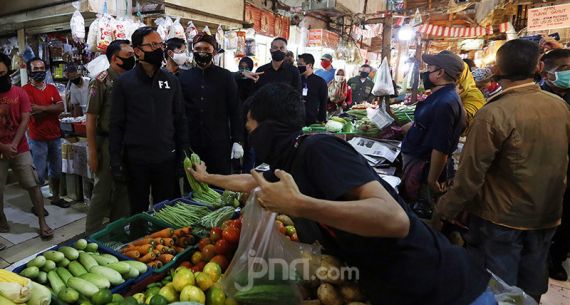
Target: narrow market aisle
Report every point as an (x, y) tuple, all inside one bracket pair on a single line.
[(23, 239)]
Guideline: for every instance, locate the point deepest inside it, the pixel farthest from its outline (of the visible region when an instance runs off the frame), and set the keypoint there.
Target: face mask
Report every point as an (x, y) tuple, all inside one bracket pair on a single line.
[(128, 63), (339, 78), (202, 58), (302, 69), (76, 81), (364, 74), (277, 55), (155, 57), (5, 83), (325, 64), (562, 80), (428, 84), (38, 76), (179, 58)]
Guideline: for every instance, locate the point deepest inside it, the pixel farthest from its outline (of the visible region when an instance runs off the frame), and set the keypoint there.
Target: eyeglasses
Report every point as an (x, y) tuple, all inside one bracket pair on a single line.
[(283, 48), (154, 45)]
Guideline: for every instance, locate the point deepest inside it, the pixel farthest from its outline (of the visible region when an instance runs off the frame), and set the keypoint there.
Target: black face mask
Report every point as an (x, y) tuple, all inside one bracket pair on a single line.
[(76, 81), (364, 74), (428, 84), (155, 57), (302, 69), (38, 76), (128, 63), (277, 55), (5, 83), (203, 59)]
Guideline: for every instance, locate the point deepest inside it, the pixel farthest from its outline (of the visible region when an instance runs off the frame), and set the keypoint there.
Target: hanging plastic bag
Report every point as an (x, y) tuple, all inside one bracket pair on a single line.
[(105, 32), (383, 84), (97, 65), (220, 36), (176, 30), (267, 266), (120, 28), (161, 27), (77, 25), (191, 31), (206, 30), (92, 35), (507, 295)]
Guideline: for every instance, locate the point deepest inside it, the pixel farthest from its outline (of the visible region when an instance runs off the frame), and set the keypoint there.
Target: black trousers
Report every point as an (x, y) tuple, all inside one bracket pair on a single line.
[(561, 240), (144, 177)]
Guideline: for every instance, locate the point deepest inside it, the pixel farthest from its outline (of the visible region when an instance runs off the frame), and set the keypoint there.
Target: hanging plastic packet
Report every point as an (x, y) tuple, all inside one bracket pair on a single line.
[(161, 28), (206, 30), (105, 32), (383, 84), (220, 36), (176, 30), (97, 65), (267, 267), (92, 35), (77, 25), (121, 28), (191, 31), (231, 41)]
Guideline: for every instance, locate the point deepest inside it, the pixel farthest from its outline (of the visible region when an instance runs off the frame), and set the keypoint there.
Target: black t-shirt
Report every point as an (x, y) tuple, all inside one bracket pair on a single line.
[(315, 99), (422, 268), (287, 74)]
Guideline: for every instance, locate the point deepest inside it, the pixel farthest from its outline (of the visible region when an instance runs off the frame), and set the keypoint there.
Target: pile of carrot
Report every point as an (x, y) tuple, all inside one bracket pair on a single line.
[(159, 247)]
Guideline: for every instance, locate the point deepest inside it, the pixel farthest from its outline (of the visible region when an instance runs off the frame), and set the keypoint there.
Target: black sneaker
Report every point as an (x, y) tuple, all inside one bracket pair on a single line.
[(557, 272), (46, 214)]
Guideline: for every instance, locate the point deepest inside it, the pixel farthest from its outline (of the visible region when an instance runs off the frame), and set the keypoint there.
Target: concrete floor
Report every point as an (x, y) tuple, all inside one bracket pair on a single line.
[(558, 293)]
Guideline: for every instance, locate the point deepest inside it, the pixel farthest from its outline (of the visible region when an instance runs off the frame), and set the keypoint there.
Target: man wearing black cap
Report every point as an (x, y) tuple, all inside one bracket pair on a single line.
[(512, 176), (212, 107), (76, 91), (148, 129), (434, 134), (278, 71)]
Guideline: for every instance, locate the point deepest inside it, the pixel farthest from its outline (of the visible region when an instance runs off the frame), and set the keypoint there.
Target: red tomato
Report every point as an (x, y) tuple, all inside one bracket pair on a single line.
[(281, 227), (294, 237), (237, 223), (204, 242), (231, 235), (222, 247), (196, 257), (186, 264), (226, 224), (208, 252), (215, 234), (220, 260), (199, 267)]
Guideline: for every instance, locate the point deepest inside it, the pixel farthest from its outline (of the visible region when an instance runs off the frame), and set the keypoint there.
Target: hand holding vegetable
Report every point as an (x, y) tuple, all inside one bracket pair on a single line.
[(280, 197), (199, 173)]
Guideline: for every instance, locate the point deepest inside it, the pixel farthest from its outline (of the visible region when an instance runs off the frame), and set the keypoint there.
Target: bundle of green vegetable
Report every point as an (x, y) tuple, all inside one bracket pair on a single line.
[(81, 271), (182, 214), (202, 192), (338, 124), (366, 128), (358, 113), (404, 114)]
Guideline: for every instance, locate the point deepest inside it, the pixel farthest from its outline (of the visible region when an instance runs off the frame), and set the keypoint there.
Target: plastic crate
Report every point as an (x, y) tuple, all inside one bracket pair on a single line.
[(124, 287), (120, 232)]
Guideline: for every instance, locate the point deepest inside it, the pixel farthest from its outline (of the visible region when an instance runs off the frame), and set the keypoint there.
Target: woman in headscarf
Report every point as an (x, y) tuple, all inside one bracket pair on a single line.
[(340, 93)]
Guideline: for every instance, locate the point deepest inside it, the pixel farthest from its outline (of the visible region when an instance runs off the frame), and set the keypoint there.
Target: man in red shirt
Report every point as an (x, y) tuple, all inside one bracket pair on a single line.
[(14, 152), (44, 133)]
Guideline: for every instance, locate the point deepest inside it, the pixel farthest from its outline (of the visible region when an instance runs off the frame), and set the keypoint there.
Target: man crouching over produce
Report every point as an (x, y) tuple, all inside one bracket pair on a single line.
[(339, 200)]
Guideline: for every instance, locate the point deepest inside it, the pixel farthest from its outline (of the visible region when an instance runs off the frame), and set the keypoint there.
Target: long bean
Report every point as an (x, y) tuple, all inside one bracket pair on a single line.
[(216, 218)]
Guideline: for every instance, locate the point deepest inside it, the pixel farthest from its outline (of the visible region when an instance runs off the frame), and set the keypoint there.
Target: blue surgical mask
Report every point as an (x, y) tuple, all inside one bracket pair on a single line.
[(562, 80)]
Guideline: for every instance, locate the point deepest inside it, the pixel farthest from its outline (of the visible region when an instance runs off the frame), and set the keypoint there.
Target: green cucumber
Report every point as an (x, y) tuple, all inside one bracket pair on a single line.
[(92, 247), (97, 280), (87, 261), (69, 253), (141, 267), (102, 260), (55, 256), (64, 263), (39, 262), (42, 278), (84, 287), (76, 268), (64, 274), (30, 272), (55, 282), (133, 273), (122, 268), (80, 244), (68, 295), (49, 266), (113, 276), (110, 257)]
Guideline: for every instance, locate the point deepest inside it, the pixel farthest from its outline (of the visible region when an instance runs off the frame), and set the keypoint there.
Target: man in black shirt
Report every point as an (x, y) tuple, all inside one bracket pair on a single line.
[(340, 201), (212, 108), (314, 91), (148, 128), (277, 71)]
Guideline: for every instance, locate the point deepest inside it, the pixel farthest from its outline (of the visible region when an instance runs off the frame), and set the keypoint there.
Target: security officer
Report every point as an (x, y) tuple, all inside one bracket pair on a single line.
[(109, 198), (362, 86), (148, 125)]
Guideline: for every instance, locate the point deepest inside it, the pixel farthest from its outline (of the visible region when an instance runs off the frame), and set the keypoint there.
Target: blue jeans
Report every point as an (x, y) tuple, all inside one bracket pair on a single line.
[(487, 298), (47, 158), (518, 257)]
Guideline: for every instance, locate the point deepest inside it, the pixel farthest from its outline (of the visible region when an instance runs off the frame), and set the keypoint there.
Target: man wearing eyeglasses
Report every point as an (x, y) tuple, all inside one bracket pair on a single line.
[(148, 129), (277, 71)]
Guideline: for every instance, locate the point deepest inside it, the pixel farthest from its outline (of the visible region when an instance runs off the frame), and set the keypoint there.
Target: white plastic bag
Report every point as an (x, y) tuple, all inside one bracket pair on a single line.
[(77, 25), (206, 30), (105, 32), (92, 35), (220, 36), (176, 30), (191, 31), (383, 81), (161, 28), (379, 116), (120, 29), (266, 259), (97, 65), (508, 295)]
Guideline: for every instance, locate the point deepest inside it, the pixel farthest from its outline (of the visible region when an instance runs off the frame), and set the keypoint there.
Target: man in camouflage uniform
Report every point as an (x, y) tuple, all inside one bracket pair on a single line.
[(110, 198), (362, 86)]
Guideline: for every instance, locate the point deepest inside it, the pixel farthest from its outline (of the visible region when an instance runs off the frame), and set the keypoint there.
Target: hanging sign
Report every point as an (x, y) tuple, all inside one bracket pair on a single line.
[(267, 23), (549, 18), (323, 38), (454, 32)]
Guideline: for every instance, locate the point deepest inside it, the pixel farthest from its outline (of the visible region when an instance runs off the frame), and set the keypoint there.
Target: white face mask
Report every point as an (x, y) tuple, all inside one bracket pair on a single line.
[(339, 78), (180, 58)]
